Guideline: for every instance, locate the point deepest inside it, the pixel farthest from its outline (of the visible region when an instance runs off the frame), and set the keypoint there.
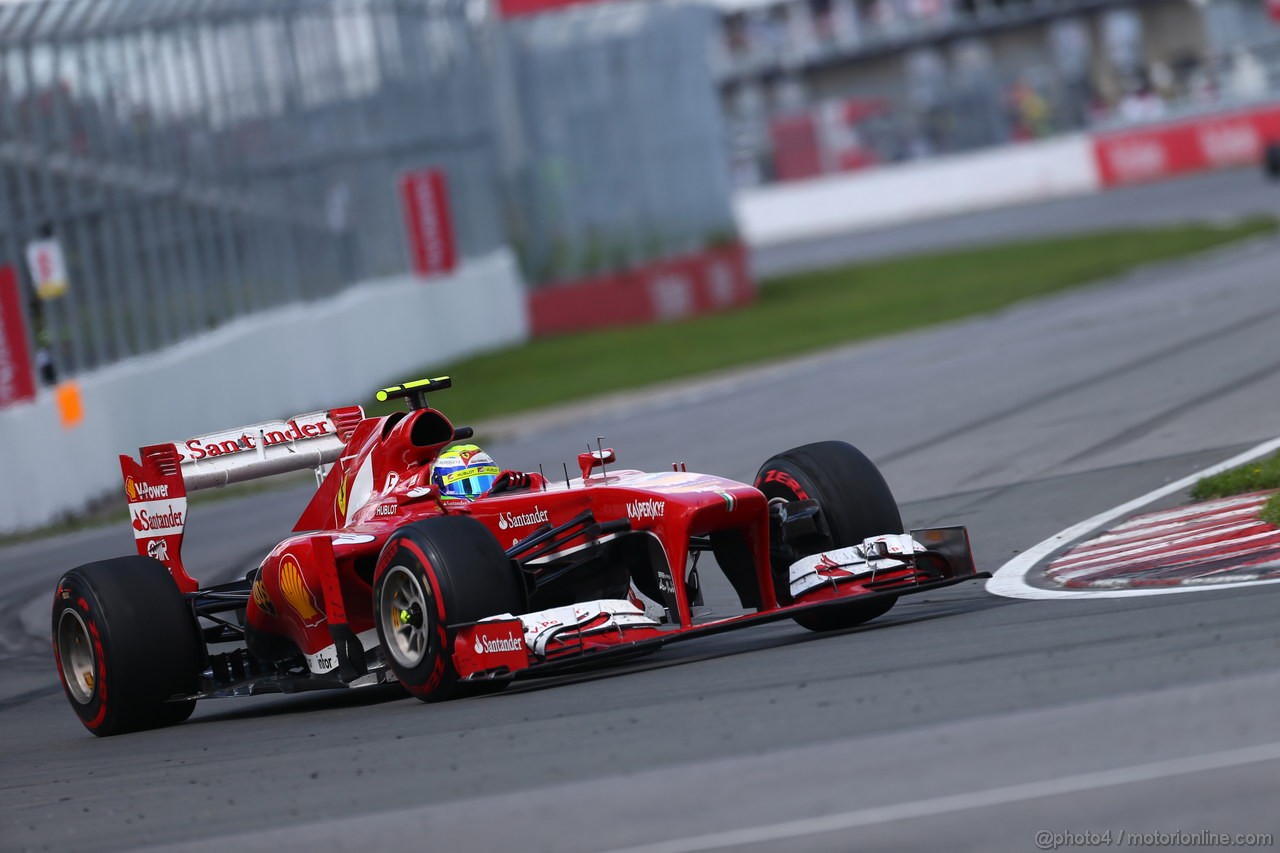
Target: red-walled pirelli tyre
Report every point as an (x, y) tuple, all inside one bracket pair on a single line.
[(855, 501), (431, 574), (126, 642)]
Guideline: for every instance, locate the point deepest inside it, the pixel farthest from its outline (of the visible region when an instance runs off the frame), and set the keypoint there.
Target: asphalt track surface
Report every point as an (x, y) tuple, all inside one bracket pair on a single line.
[(960, 720)]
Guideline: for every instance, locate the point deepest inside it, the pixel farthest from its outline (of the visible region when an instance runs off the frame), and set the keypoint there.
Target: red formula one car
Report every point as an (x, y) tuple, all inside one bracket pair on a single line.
[(393, 575)]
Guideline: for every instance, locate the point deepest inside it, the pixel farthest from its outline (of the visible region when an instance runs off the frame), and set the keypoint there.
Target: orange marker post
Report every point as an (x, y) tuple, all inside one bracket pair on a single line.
[(70, 404)]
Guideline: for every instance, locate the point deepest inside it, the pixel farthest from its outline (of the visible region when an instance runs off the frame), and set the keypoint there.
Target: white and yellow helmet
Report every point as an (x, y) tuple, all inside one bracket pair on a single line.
[(463, 471)]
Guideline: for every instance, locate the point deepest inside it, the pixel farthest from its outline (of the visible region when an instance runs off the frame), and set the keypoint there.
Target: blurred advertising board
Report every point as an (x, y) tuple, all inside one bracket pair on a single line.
[(424, 198), (48, 268), (517, 8), (17, 380), (838, 135), (1198, 144), (714, 279)]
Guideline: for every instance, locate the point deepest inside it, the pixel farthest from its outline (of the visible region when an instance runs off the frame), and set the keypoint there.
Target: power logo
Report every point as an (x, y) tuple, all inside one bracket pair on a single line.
[(293, 586), (138, 490)]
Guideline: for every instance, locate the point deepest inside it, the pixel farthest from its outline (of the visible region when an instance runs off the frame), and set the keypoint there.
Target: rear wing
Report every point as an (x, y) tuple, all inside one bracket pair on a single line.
[(156, 484)]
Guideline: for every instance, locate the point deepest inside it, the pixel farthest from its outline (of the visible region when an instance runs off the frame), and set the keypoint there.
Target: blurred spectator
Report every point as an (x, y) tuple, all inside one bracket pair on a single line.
[(1031, 112), (1141, 103), (1248, 78)]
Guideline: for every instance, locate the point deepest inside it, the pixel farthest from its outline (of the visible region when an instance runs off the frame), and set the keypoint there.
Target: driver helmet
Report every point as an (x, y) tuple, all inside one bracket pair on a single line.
[(463, 471)]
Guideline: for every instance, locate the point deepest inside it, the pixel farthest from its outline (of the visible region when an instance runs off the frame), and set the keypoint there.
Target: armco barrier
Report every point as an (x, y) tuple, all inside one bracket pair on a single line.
[(678, 287), (1012, 174), (1170, 149), (303, 357)]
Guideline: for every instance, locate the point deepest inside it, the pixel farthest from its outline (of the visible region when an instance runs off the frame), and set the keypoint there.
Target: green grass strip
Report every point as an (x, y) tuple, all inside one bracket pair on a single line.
[(803, 313), (1256, 476), (1271, 511)]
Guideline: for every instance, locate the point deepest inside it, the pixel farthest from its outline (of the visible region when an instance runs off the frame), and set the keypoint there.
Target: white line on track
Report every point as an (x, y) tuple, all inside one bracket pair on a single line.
[(1010, 580), (969, 800)]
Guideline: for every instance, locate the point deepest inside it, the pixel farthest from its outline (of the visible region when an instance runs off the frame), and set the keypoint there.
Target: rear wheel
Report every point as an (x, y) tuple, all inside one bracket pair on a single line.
[(432, 574), (1272, 164), (856, 503), (126, 643)]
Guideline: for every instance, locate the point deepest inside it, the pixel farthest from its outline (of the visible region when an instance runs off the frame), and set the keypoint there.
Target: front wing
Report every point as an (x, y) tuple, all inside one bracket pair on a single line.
[(574, 636)]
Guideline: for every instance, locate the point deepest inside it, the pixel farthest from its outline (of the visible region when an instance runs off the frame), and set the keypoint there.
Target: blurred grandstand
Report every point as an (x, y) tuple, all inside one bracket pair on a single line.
[(819, 86)]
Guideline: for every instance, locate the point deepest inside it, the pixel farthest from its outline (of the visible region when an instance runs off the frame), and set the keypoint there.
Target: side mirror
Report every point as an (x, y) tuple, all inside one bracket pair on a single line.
[(588, 462)]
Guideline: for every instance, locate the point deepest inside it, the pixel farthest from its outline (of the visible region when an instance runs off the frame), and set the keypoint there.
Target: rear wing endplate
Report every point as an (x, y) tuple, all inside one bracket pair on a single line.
[(156, 484)]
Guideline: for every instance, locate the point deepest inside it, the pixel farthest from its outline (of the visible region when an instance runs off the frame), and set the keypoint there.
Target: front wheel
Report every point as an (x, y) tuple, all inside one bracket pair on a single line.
[(126, 645), (1272, 161), (856, 503), (432, 574)]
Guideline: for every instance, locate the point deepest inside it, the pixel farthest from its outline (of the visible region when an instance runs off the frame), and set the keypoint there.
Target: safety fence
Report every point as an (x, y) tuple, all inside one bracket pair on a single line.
[(194, 161), (622, 139), (197, 160)]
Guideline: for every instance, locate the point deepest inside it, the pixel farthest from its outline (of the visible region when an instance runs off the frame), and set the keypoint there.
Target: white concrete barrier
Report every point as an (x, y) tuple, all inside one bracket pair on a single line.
[(833, 204), (281, 362)]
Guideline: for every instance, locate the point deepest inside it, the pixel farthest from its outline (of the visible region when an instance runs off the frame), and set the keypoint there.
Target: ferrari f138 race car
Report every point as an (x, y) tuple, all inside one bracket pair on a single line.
[(418, 561)]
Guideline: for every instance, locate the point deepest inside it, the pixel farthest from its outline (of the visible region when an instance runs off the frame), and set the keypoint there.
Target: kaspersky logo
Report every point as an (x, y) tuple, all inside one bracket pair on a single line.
[(646, 509), (139, 490), (535, 516), (509, 643)]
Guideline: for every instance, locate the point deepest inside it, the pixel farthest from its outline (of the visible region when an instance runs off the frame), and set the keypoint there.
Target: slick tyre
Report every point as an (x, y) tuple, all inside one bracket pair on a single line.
[(432, 574), (855, 502), (126, 642)]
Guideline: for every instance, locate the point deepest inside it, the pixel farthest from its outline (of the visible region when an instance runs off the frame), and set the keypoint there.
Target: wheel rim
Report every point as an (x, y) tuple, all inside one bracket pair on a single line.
[(403, 615), (75, 651)]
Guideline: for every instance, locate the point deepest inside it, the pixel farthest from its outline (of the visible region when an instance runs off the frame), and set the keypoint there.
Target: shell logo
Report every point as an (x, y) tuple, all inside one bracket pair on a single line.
[(262, 598), (294, 588), (130, 489)]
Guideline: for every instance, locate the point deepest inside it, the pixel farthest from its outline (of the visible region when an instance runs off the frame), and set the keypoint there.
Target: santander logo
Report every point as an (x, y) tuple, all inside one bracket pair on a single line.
[(163, 523), (646, 509), (534, 516), (509, 643)]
